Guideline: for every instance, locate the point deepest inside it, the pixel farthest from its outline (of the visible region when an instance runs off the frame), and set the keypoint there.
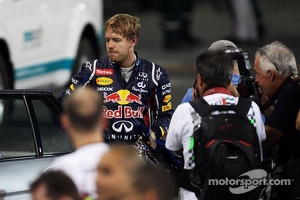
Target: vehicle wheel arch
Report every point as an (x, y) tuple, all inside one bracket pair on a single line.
[(4, 51), (90, 33), (88, 36)]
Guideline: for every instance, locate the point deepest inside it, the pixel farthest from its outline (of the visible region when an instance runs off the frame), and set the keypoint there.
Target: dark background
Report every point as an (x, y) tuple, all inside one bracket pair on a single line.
[(211, 22)]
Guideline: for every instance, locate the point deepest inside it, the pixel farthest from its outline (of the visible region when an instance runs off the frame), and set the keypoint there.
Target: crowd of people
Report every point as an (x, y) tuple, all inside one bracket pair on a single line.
[(122, 98)]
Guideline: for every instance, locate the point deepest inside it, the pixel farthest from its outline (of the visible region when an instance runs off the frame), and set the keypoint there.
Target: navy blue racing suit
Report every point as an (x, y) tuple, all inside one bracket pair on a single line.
[(133, 107)]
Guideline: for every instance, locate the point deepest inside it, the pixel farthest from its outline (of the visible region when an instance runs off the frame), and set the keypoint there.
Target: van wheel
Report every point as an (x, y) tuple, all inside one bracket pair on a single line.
[(85, 53), (5, 82)]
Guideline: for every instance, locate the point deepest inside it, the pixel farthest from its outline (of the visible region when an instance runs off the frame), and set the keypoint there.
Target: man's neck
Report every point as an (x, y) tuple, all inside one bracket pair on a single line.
[(129, 62)]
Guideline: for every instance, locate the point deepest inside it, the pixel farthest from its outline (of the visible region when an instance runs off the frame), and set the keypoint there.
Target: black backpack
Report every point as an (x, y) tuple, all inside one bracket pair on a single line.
[(225, 146)]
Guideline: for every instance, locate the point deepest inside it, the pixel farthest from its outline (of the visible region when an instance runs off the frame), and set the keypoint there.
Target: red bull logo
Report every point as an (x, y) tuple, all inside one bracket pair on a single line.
[(122, 97), (133, 98), (114, 97), (123, 112)]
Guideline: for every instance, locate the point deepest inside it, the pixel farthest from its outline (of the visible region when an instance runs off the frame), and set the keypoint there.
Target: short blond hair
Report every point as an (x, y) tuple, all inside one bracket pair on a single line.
[(126, 25)]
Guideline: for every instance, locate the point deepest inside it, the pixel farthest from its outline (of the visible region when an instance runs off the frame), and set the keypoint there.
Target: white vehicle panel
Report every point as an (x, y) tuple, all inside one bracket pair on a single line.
[(43, 36)]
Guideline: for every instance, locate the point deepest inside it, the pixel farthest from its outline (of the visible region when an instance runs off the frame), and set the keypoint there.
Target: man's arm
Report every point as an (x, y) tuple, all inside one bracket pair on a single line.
[(80, 79), (163, 103), (273, 136)]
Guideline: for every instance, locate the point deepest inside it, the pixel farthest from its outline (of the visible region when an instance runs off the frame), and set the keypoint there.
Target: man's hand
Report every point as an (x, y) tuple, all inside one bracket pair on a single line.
[(152, 139)]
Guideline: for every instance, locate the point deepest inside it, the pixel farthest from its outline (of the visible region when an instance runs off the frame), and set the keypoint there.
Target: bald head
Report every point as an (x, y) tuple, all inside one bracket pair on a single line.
[(84, 108)]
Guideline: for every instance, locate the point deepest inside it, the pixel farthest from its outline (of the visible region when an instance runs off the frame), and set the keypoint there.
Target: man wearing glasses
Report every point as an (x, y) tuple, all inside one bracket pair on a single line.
[(277, 77)]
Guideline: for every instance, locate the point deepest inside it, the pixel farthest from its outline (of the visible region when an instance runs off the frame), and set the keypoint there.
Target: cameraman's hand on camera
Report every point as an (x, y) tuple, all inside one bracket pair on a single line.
[(152, 139)]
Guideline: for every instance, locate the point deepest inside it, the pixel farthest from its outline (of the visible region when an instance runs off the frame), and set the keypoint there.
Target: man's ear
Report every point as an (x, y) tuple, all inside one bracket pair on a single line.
[(133, 41), (105, 123), (64, 121), (271, 74), (199, 80)]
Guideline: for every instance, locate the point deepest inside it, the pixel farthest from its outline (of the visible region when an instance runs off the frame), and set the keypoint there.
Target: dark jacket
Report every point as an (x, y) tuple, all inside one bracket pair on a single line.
[(143, 103)]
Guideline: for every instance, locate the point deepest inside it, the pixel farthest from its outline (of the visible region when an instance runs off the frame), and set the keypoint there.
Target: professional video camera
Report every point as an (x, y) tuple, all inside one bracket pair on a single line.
[(247, 87)]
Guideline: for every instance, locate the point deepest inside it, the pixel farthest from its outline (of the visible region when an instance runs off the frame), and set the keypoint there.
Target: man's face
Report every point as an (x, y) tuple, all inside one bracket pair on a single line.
[(117, 46), (113, 181), (264, 80)]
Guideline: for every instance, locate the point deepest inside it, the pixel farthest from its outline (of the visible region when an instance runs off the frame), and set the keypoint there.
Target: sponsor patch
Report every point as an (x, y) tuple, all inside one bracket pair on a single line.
[(123, 112), (166, 107), (167, 98), (104, 72), (122, 97), (72, 87), (104, 81)]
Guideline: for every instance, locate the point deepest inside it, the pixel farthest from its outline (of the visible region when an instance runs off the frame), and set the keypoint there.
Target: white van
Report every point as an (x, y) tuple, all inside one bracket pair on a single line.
[(44, 42)]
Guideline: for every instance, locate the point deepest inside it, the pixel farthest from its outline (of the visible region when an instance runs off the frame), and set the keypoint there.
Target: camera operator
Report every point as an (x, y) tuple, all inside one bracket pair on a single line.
[(218, 45), (242, 83), (277, 76)]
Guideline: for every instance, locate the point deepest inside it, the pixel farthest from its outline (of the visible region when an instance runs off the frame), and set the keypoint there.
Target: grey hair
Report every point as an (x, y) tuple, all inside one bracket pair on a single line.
[(278, 57)]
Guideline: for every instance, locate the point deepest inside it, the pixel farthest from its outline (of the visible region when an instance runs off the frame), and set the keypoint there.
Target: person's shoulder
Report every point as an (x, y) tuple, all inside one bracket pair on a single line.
[(158, 66), (101, 146), (294, 86), (92, 61), (289, 96), (92, 147), (62, 161), (184, 107), (103, 62), (149, 63)]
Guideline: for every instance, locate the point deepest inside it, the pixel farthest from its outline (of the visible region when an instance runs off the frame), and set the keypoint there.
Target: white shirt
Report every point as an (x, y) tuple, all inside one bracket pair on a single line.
[(181, 127), (81, 166)]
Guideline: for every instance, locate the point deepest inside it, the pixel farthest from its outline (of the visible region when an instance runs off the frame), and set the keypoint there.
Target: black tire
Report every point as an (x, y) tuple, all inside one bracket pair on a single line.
[(86, 51), (5, 80)]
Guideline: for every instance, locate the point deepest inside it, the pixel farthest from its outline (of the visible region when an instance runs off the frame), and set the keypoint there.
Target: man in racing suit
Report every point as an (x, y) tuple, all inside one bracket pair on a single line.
[(136, 92)]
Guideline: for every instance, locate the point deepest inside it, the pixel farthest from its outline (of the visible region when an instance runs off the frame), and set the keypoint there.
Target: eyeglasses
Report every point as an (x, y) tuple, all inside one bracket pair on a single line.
[(263, 52)]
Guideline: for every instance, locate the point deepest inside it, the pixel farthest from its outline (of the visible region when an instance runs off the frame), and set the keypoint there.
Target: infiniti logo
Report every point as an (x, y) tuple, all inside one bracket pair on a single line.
[(143, 74), (119, 126)]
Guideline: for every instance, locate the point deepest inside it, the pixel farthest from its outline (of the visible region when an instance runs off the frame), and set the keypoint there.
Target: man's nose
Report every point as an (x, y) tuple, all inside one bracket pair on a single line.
[(110, 44)]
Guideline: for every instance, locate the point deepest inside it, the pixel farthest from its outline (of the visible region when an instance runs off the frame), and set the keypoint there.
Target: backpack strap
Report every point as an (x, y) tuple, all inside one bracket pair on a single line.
[(201, 106), (203, 109), (243, 106)]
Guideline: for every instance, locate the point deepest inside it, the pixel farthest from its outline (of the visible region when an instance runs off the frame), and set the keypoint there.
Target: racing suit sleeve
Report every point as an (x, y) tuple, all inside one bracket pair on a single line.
[(163, 105), (81, 79)]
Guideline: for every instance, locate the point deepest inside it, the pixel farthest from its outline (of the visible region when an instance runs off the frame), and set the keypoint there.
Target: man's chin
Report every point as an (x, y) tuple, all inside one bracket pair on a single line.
[(113, 59)]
